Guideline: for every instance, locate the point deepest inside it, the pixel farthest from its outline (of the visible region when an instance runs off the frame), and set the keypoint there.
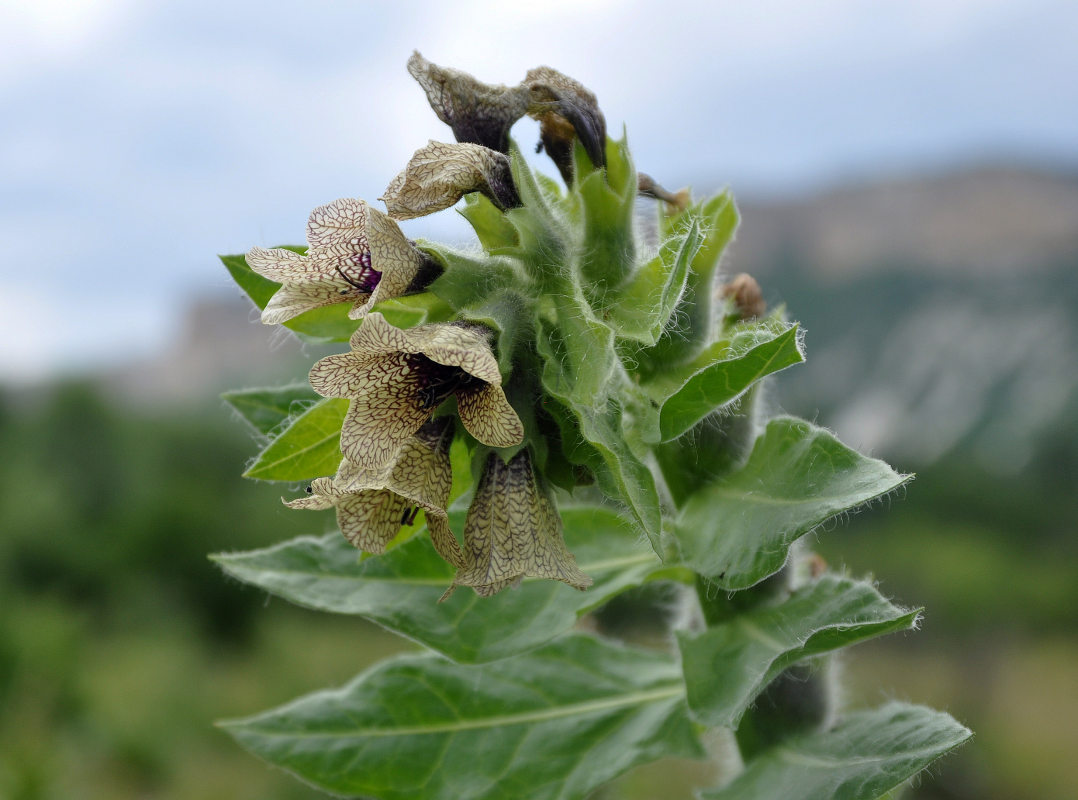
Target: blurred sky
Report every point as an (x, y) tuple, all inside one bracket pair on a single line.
[(138, 139)]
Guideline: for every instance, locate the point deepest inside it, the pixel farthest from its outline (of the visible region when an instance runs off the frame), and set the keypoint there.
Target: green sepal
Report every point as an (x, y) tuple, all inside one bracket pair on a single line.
[(863, 757), (728, 665), (496, 233), (468, 279), (738, 530), (697, 315), (722, 373), (641, 308), (400, 589), (606, 203), (555, 724), (310, 447), (580, 372), (319, 325), (266, 408)]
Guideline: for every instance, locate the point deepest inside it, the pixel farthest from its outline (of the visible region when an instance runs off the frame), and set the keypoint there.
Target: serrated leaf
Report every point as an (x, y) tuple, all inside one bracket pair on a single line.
[(267, 408), (641, 309), (688, 392), (310, 447), (326, 324), (728, 665), (739, 530), (861, 758), (400, 589), (562, 721)]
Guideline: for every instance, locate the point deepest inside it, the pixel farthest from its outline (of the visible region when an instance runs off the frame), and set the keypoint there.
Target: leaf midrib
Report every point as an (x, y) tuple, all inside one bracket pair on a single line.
[(575, 709)]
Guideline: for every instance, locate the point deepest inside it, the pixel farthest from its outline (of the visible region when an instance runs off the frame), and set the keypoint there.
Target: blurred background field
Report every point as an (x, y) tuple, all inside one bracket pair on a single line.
[(908, 181), (120, 642)]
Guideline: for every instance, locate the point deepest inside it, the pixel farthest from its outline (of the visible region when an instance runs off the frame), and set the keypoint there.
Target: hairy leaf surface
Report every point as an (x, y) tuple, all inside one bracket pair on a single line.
[(400, 589), (728, 665), (739, 530), (554, 726), (862, 758), (267, 408), (310, 447)]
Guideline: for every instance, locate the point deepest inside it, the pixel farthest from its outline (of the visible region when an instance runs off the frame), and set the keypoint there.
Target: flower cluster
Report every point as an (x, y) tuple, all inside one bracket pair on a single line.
[(407, 387)]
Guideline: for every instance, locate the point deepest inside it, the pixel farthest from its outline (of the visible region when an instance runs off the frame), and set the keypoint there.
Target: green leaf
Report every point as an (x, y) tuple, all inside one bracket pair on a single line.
[(728, 665), (739, 530), (582, 378), (862, 758), (327, 324), (400, 589), (496, 233), (641, 308), (267, 408), (309, 447), (607, 250), (557, 724), (718, 220), (722, 373)]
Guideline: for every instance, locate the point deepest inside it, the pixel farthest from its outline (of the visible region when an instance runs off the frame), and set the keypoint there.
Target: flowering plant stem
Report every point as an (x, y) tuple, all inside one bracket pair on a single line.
[(517, 434)]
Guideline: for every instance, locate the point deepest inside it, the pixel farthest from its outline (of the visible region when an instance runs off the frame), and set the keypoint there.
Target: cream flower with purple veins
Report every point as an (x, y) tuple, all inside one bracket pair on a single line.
[(356, 254), (513, 531), (397, 378), (372, 505), (438, 175)]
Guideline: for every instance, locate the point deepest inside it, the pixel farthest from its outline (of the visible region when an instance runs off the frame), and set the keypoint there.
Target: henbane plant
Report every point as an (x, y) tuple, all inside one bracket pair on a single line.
[(521, 431)]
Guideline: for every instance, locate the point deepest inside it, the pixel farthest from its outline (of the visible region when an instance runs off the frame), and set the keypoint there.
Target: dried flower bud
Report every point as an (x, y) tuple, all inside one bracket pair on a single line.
[(744, 291)]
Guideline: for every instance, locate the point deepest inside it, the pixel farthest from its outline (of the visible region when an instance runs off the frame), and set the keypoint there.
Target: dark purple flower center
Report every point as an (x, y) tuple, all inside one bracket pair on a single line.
[(438, 381), (360, 273)]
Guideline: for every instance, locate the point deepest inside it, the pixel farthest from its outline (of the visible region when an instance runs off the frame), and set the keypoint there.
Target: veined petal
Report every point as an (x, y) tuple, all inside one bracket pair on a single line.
[(438, 175), (488, 417), (454, 345), (293, 299), (512, 530), (421, 471), (394, 257), (441, 535), (477, 112), (369, 519), (282, 265), (321, 494), (342, 222), (339, 375), (386, 410)]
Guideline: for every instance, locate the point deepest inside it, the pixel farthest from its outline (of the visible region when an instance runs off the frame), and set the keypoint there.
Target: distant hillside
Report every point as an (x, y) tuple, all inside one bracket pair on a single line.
[(977, 222), (941, 311)]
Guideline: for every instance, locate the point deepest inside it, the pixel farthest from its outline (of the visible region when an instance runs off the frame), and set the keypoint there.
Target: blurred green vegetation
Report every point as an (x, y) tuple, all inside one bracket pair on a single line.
[(120, 643)]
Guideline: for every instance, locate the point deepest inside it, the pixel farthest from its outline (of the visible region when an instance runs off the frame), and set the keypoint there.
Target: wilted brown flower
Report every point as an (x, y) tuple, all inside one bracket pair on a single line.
[(477, 112)]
